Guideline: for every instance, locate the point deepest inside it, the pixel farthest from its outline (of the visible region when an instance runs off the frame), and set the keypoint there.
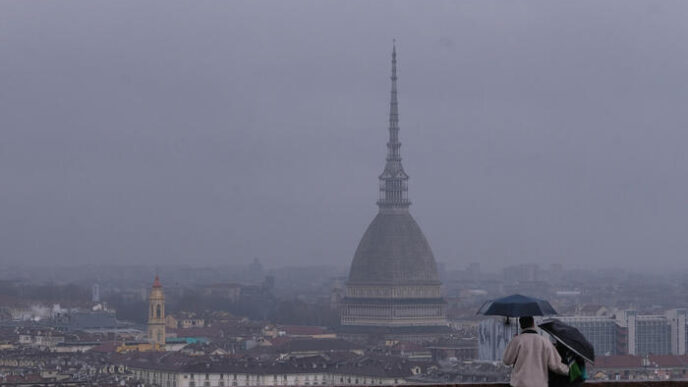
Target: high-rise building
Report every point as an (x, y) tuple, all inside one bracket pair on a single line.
[(95, 293), (628, 332), (656, 334), (677, 322), (601, 331), (156, 314), (393, 288)]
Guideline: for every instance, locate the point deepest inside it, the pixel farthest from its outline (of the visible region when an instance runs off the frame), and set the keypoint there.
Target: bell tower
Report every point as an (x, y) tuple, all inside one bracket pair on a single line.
[(156, 315)]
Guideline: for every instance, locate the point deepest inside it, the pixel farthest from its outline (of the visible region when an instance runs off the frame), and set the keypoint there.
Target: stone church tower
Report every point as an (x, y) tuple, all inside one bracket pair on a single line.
[(156, 314), (393, 290)]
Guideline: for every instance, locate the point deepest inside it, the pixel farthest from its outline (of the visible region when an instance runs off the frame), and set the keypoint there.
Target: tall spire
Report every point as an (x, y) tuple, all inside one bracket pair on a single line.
[(393, 180)]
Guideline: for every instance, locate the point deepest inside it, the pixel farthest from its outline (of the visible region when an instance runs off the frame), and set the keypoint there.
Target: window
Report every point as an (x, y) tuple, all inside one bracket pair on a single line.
[(158, 311)]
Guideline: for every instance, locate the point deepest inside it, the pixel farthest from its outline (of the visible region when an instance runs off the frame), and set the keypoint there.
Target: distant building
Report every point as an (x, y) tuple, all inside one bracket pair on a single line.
[(493, 336), (41, 339), (95, 293), (677, 322), (628, 332), (184, 321), (593, 310), (313, 370), (464, 349), (86, 320), (601, 331), (227, 291), (156, 314), (393, 290), (655, 334), (528, 272), (255, 273)]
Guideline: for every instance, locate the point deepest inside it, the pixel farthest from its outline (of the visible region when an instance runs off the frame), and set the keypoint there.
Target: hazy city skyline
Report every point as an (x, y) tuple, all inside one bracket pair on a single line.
[(213, 133)]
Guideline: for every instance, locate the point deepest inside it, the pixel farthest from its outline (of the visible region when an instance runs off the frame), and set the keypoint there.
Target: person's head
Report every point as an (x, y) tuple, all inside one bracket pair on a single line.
[(526, 322)]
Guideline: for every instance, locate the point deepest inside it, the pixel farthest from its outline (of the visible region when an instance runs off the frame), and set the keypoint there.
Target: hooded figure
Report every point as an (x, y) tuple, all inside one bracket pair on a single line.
[(577, 372)]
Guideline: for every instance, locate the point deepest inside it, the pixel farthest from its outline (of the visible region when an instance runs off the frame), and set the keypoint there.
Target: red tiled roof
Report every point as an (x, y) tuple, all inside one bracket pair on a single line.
[(303, 330), (618, 361), (280, 340), (668, 361), (209, 332), (105, 347)]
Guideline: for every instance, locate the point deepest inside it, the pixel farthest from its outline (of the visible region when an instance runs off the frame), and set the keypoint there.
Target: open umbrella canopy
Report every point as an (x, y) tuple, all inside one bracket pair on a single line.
[(571, 337), (517, 305)]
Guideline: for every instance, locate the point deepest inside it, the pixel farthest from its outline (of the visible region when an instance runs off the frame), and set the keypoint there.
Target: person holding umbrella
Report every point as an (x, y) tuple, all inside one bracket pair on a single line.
[(574, 348), (532, 356)]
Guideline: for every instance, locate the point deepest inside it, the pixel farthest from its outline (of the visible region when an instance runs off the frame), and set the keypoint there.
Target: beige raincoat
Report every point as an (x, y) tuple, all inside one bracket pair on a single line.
[(531, 355)]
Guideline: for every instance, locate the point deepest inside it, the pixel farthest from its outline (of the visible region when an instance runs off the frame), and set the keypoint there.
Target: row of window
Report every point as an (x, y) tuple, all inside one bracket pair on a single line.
[(156, 378)]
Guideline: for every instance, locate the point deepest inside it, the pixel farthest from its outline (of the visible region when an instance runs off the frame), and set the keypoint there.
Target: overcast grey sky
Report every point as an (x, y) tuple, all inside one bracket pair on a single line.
[(215, 132)]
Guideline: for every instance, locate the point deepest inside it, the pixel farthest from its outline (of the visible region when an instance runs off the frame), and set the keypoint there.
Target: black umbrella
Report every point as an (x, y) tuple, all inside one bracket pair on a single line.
[(570, 337), (517, 305)]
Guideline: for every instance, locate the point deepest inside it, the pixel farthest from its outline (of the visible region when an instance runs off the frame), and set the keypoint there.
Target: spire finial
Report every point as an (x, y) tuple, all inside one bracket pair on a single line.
[(393, 180)]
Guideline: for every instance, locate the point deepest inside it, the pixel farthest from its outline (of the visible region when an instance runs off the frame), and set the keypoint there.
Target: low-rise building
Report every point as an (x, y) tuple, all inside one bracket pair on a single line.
[(184, 321), (174, 372)]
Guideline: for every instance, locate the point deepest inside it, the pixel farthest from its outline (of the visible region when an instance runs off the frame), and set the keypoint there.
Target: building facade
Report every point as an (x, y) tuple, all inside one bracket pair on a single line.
[(171, 371), (631, 333), (655, 334), (601, 331), (393, 287), (493, 336)]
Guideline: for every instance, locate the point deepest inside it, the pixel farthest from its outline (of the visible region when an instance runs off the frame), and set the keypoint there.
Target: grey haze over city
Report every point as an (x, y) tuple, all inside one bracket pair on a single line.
[(211, 133)]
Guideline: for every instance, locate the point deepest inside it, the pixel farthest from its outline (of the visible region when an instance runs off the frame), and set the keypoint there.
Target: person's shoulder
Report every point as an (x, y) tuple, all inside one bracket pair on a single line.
[(515, 339), (544, 340), (531, 336)]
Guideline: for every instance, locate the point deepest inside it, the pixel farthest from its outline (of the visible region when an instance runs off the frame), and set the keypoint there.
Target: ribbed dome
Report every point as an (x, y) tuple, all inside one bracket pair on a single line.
[(393, 250)]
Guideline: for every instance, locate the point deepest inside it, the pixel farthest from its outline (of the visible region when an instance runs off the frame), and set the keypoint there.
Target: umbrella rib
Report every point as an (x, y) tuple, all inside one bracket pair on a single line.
[(569, 347)]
